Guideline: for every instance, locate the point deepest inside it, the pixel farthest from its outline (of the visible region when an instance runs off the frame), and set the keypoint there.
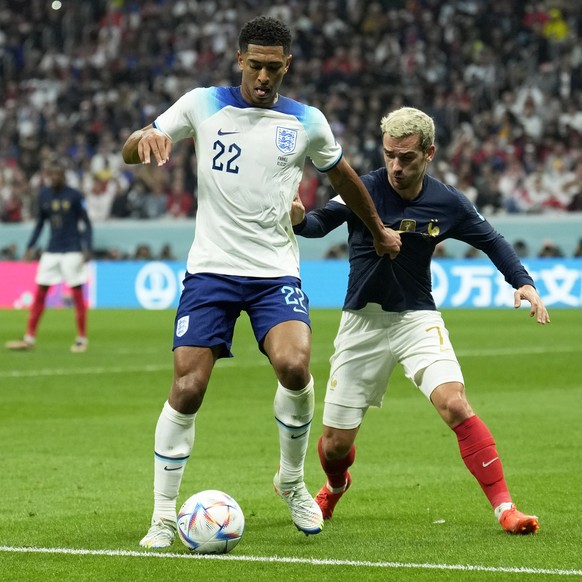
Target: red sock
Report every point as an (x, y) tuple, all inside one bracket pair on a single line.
[(336, 469), (80, 311), (478, 450), (36, 310)]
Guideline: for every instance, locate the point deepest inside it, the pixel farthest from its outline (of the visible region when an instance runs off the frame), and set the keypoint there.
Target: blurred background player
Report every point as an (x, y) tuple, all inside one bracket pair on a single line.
[(389, 315), (251, 146), (65, 257)]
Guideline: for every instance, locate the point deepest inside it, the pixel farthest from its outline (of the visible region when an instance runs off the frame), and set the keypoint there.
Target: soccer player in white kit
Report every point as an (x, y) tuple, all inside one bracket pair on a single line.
[(251, 145), (389, 315)]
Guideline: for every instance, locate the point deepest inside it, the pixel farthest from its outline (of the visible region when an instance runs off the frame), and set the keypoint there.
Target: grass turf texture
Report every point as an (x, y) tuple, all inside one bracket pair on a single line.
[(77, 439)]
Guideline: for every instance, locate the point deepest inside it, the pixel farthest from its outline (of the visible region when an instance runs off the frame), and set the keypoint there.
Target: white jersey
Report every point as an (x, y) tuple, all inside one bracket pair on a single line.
[(250, 163)]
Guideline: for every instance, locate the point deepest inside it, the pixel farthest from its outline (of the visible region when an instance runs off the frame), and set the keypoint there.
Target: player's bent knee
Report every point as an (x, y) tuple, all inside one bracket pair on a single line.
[(187, 394), (336, 443), (294, 374), (450, 402)]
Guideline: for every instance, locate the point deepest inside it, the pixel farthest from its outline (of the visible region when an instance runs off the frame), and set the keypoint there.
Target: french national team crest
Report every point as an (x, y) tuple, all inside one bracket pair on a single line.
[(182, 325), (286, 139)]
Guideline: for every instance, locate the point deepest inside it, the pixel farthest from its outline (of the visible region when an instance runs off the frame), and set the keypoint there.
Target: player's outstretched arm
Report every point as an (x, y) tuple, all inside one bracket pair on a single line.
[(144, 143), (537, 309), (350, 187)]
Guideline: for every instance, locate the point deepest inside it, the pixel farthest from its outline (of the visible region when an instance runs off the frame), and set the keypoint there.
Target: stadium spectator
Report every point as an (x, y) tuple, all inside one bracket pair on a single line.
[(143, 252), (309, 187), (511, 184), (180, 202), (521, 249), (167, 254), (539, 189), (8, 253), (11, 207), (101, 192), (572, 187), (555, 28), (390, 316), (489, 198), (337, 251), (549, 249), (13, 191), (78, 78), (244, 256), (440, 251), (155, 204), (473, 253), (115, 254), (65, 258)]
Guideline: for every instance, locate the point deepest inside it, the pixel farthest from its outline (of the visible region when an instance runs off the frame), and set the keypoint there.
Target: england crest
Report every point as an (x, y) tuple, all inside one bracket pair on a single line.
[(182, 325), (286, 139)]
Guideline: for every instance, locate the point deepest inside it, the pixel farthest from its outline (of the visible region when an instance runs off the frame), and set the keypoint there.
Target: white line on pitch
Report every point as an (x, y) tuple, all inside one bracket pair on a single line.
[(241, 363), (284, 560), (28, 373), (83, 371)]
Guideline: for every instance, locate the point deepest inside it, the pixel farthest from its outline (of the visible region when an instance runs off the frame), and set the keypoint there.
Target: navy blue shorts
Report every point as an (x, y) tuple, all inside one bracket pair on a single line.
[(210, 304)]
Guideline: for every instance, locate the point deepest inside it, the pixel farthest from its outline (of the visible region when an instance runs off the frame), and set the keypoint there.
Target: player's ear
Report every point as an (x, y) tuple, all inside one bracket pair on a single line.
[(430, 153), (288, 63), (240, 59)]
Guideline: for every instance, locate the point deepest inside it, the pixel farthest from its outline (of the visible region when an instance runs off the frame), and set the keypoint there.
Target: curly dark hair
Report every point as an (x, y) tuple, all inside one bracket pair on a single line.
[(265, 31)]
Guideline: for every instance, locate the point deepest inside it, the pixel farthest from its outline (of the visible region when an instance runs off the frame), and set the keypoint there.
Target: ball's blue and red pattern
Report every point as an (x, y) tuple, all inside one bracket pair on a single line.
[(210, 522)]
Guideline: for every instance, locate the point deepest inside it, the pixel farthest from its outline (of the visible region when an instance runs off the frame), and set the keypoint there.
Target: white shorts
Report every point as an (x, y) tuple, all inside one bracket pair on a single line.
[(369, 344), (54, 268)]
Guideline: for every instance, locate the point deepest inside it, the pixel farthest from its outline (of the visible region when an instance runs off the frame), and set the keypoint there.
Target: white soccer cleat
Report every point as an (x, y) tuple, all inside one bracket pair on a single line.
[(305, 512), (160, 535), (21, 345), (81, 344)]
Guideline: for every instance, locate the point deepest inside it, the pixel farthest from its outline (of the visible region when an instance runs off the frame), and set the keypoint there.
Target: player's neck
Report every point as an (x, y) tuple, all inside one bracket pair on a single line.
[(409, 194), (412, 192)]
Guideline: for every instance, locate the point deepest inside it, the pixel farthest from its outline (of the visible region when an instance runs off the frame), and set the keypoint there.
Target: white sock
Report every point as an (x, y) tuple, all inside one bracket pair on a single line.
[(501, 508), (293, 413), (174, 440), (336, 489)]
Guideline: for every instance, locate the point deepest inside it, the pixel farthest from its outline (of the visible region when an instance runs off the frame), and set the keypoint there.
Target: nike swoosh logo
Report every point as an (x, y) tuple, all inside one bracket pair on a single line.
[(489, 462), (166, 468), (220, 132), (298, 436)]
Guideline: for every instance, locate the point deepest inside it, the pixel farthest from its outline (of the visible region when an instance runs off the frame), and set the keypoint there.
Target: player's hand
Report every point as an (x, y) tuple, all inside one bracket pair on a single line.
[(154, 142), (29, 255), (389, 244), (297, 211), (86, 256), (537, 309)]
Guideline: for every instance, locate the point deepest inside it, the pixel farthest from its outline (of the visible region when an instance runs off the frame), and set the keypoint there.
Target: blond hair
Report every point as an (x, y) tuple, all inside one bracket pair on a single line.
[(408, 121)]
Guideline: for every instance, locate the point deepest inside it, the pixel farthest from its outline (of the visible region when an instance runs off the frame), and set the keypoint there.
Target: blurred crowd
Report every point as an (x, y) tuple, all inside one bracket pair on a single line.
[(502, 80)]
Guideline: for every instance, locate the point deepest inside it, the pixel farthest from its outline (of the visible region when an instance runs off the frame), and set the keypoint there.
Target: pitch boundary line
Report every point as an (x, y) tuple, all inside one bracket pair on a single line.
[(241, 364), (286, 560)]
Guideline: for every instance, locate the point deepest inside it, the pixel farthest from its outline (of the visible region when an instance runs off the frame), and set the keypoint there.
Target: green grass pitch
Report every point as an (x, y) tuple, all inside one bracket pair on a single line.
[(76, 433)]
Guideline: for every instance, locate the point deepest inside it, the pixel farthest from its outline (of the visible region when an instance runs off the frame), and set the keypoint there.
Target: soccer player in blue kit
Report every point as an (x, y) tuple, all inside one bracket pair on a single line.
[(389, 316), (251, 145), (65, 257)]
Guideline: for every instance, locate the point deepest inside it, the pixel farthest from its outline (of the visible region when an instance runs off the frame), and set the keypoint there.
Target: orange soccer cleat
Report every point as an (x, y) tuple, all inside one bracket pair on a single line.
[(516, 522), (328, 500)]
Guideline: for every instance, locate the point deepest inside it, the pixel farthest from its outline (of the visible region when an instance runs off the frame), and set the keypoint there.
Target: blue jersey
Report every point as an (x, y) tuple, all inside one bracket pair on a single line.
[(438, 213), (64, 209)]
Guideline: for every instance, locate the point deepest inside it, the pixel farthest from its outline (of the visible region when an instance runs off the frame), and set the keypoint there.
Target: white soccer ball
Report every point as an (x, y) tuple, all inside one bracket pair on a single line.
[(210, 522)]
